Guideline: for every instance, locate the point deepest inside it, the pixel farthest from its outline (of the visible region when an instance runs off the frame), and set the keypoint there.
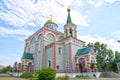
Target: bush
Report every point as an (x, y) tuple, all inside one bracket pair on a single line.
[(46, 74), (6, 69), (84, 76), (63, 77), (27, 75), (78, 76), (32, 79)]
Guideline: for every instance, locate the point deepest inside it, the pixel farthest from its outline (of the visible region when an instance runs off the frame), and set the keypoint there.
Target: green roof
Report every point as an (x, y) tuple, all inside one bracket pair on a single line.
[(69, 17), (28, 56), (83, 51)]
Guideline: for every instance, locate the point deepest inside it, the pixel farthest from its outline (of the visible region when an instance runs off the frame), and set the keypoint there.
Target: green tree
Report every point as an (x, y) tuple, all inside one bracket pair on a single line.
[(104, 55), (116, 60), (7, 69), (110, 60), (46, 74), (117, 56)]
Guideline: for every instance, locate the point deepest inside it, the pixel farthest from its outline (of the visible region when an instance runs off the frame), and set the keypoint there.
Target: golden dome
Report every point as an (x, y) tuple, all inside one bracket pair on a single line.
[(50, 21), (68, 9)]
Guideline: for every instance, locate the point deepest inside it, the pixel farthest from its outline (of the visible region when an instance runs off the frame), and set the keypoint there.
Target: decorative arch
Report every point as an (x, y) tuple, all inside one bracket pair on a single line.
[(32, 45), (80, 59), (29, 62), (30, 66), (81, 63), (40, 37), (50, 36), (33, 40), (27, 47), (60, 37)]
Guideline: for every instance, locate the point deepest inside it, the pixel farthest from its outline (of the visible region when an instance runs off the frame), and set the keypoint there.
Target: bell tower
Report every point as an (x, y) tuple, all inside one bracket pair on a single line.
[(69, 27)]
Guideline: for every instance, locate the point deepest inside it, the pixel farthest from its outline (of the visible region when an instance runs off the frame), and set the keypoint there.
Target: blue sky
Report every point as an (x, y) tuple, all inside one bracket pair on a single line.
[(96, 20)]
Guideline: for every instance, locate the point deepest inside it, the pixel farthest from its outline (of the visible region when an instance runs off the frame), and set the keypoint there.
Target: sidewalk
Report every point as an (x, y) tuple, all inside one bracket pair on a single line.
[(98, 79)]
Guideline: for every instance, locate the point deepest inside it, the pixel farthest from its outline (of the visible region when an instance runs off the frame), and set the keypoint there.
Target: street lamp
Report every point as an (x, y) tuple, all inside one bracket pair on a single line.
[(118, 41)]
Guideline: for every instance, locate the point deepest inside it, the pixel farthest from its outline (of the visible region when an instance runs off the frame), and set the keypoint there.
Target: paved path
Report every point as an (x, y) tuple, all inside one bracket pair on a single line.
[(11, 78), (99, 79)]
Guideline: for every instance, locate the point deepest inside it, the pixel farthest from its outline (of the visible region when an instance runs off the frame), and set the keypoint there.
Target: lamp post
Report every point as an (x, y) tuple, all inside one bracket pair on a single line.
[(118, 41)]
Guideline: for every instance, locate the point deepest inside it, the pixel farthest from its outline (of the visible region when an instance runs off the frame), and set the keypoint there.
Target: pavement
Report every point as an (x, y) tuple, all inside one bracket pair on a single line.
[(98, 79)]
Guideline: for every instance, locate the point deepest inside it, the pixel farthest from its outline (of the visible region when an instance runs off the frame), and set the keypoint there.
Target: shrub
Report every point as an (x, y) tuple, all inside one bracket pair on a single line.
[(84, 76), (27, 75), (79, 76), (63, 77), (32, 79), (46, 74)]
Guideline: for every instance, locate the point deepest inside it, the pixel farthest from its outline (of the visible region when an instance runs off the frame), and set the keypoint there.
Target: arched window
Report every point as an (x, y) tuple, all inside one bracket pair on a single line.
[(32, 48), (58, 67), (50, 37), (60, 38), (40, 39), (67, 65), (59, 50), (49, 63), (71, 35)]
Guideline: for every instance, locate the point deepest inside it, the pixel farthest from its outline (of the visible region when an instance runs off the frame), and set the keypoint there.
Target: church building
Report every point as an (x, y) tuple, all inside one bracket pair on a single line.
[(49, 47)]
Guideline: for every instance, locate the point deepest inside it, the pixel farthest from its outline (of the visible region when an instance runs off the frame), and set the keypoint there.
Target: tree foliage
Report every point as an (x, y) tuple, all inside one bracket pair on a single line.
[(7, 69), (104, 56), (117, 56), (46, 74)]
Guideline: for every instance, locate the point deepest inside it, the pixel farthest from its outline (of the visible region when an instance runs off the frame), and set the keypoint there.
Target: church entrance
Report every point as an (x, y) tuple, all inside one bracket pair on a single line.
[(30, 67), (81, 65)]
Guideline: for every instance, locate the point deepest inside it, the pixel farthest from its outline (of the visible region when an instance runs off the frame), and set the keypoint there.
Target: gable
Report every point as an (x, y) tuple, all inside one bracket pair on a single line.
[(92, 52)]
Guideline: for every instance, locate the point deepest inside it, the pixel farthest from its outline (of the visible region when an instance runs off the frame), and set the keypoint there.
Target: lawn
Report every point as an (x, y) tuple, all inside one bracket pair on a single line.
[(11, 78)]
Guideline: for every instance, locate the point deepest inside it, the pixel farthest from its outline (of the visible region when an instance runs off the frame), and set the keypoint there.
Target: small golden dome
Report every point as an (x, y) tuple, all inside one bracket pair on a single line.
[(68, 9), (50, 21)]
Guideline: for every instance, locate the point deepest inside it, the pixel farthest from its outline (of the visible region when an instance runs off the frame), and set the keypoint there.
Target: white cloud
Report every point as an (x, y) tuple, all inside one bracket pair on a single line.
[(110, 1), (22, 38), (99, 3), (36, 12), (91, 1), (111, 43), (78, 18), (5, 31)]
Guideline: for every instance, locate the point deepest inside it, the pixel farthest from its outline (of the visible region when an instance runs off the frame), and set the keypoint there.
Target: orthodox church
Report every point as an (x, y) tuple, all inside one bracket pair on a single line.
[(49, 47)]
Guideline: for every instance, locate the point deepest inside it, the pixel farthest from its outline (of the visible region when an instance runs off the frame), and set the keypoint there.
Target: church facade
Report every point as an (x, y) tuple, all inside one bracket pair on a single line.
[(49, 47)]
